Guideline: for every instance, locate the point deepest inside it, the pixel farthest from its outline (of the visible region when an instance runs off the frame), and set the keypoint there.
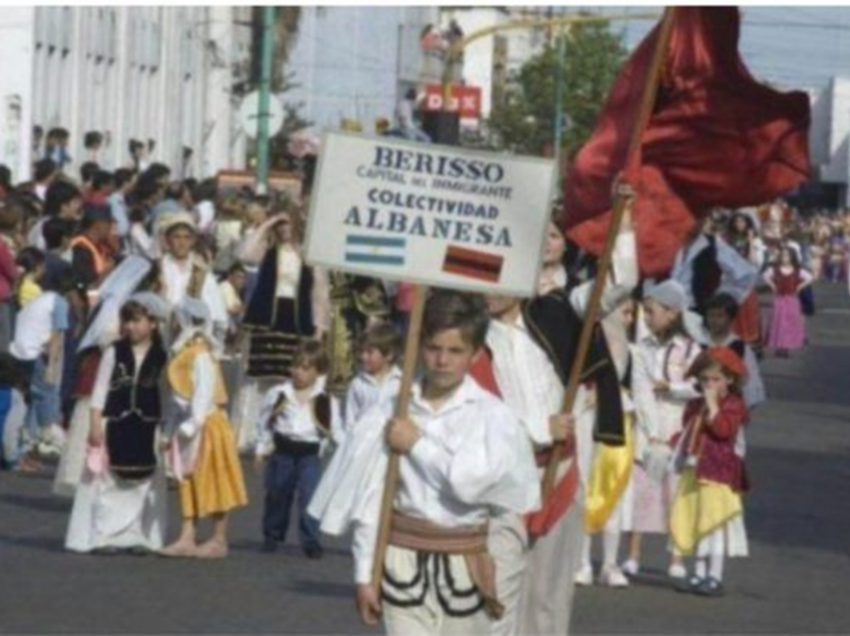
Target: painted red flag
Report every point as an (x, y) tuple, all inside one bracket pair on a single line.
[(716, 137)]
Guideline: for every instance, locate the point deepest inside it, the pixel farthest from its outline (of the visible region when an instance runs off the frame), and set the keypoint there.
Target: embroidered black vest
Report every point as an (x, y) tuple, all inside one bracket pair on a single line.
[(133, 410), (556, 327), (260, 311)]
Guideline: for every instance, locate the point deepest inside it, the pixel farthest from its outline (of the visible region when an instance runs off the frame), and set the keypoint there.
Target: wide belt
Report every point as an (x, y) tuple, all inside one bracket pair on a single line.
[(470, 542)]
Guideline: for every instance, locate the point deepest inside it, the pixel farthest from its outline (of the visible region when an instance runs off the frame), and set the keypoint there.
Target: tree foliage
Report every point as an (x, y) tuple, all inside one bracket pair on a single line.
[(525, 121)]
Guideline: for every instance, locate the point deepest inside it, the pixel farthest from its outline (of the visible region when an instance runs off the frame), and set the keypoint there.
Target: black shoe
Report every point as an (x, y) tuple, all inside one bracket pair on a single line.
[(269, 545), (138, 551), (710, 587), (689, 585), (315, 553)]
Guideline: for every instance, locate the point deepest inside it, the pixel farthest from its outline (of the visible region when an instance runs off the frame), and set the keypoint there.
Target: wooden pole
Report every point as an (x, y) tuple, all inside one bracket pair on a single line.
[(411, 349), (604, 264)]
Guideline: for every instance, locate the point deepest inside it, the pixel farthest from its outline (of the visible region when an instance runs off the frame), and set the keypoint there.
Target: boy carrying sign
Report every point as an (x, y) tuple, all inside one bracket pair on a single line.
[(464, 456)]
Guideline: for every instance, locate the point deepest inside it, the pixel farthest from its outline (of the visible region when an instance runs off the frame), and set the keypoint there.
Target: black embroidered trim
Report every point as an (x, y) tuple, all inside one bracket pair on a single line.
[(444, 602)]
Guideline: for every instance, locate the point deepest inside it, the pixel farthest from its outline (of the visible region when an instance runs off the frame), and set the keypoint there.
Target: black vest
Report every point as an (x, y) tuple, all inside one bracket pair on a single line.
[(556, 327), (133, 410), (707, 275), (260, 311)]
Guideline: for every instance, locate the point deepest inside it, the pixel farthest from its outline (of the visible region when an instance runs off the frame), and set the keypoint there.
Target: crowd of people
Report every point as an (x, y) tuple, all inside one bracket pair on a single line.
[(153, 330)]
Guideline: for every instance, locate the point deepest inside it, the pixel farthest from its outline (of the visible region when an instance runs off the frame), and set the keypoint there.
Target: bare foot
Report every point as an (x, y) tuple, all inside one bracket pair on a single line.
[(180, 549), (212, 549)]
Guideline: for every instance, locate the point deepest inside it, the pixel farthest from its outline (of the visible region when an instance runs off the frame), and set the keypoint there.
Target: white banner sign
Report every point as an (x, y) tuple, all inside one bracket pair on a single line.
[(429, 214)]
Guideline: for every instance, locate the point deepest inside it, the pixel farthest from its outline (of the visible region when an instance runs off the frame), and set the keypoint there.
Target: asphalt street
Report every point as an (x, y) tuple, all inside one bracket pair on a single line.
[(795, 581)]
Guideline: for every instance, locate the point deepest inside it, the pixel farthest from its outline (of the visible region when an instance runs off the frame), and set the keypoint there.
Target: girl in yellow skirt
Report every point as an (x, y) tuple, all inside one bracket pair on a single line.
[(707, 516), (202, 447)]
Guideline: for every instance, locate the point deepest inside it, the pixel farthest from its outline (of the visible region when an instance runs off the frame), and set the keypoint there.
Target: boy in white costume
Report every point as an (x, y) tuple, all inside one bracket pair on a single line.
[(464, 456), (184, 274), (379, 377), (532, 346)]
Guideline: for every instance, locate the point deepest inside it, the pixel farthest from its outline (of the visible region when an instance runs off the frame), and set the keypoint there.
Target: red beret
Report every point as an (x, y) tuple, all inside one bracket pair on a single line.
[(726, 358)]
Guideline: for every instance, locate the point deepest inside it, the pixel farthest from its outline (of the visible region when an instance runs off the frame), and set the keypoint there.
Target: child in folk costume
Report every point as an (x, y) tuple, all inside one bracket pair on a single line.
[(787, 330), (300, 418), (133, 274), (530, 350), (661, 389), (464, 457), (379, 378), (530, 347), (743, 238), (707, 518), (288, 303), (121, 501), (607, 469), (202, 447), (185, 274), (720, 314)]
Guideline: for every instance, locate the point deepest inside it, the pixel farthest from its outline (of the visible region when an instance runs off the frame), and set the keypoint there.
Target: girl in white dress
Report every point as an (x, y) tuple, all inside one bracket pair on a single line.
[(120, 503), (661, 390)]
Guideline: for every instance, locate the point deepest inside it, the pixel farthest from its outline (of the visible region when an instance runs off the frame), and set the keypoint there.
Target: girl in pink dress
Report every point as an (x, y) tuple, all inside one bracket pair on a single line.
[(787, 330)]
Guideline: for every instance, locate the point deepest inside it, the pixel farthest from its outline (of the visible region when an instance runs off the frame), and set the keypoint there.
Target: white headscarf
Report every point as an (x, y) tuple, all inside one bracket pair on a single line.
[(155, 305), (670, 293), (193, 319)]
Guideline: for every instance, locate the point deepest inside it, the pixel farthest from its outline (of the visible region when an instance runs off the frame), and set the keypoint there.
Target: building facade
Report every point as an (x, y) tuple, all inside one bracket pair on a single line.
[(154, 74), (355, 64)]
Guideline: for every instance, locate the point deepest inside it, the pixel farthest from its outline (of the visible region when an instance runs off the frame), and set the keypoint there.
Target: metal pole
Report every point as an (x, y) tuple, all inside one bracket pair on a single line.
[(265, 98)]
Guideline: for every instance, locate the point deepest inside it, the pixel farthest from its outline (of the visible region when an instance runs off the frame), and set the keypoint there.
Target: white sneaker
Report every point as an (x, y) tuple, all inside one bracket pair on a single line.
[(584, 576), (630, 567), (677, 571), (612, 576)]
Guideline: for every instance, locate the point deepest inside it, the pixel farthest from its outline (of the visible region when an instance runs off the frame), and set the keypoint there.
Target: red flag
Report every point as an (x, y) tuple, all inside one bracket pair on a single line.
[(716, 137)]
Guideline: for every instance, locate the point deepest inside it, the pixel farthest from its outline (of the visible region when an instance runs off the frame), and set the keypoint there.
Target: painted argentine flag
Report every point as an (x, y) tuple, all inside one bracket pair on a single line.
[(375, 250)]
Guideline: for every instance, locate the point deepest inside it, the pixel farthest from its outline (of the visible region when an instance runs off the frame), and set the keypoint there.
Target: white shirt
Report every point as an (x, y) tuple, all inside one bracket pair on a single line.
[(526, 377), (141, 242), (365, 392), (36, 322), (623, 274), (661, 416), (177, 275), (205, 210), (738, 275), (472, 460), (288, 272), (296, 420), (193, 414)]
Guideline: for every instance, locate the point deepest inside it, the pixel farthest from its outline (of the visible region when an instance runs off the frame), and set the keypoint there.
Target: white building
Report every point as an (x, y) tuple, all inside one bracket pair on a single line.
[(356, 63), (829, 139), (146, 73)]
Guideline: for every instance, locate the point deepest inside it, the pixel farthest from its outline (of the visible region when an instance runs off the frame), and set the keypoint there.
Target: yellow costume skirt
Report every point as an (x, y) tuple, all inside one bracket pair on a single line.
[(609, 476), (700, 508), (217, 484)]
